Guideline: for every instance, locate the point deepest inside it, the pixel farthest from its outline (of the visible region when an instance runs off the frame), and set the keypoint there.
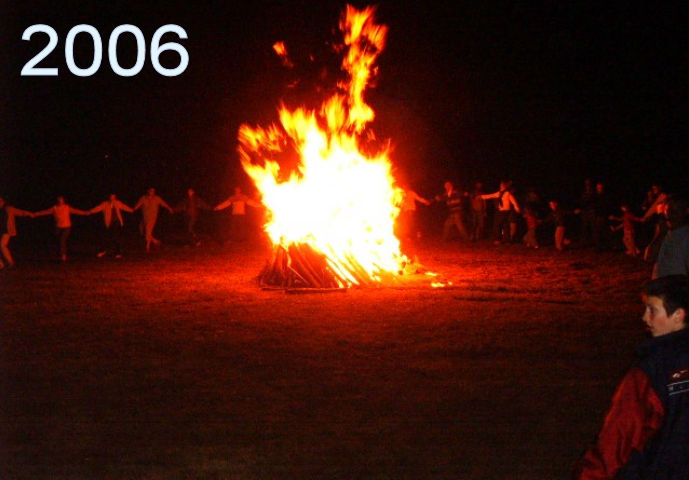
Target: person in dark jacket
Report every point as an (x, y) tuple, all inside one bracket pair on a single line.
[(191, 206), (646, 430)]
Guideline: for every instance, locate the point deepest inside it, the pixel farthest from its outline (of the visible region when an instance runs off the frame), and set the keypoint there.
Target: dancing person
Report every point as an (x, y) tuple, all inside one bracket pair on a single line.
[(507, 206), (453, 201), (150, 205), (587, 212), (239, 224), (601, 209), (627, 221), (673, 256), (61, 212), (530, 239), (557, 219), (191, 207), (113, 221), (655, 213), (478, 212), (644, 435), (8, 229), (407, 220)]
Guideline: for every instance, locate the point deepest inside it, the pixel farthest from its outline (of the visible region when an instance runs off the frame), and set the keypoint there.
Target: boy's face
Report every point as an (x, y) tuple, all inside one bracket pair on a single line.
[(657, 321)]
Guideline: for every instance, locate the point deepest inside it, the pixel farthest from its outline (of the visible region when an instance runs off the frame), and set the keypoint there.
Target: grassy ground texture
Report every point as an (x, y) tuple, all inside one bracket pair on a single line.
[(177, 366)]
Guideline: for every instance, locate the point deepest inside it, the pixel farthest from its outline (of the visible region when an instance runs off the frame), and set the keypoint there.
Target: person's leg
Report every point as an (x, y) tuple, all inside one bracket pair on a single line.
[(459, 225), (5, 249), (447, 228), (64, 235), (559, 237)]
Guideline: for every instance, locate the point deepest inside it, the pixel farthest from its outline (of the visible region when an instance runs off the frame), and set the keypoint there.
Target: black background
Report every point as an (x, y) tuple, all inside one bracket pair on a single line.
[(544, 93)]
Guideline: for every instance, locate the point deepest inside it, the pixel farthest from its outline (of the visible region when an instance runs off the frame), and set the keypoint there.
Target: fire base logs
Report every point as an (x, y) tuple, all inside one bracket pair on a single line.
[(299, 266)]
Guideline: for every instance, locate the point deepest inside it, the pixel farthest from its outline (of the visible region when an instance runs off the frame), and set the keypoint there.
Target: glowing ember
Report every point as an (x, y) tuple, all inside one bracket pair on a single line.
[(339, 201)]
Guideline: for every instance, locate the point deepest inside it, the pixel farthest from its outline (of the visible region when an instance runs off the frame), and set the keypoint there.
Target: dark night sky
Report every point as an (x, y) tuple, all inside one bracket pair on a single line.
[(546, 94)]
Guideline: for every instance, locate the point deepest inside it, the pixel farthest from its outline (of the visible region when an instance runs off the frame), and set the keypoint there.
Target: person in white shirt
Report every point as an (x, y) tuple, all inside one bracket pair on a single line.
[(61, 211), (238, 201), (506, 209)]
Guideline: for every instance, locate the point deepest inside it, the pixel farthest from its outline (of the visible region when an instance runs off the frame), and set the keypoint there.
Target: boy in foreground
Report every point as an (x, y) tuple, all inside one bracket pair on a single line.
[(646, 431)]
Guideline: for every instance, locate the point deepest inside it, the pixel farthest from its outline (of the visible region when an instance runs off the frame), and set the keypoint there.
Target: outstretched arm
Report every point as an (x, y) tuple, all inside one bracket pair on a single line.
[(488, 196), (18, 212), (77, 211), (139, 204), (163, 203), (125, 207), (96, 209), (43, 213), (223, 205)]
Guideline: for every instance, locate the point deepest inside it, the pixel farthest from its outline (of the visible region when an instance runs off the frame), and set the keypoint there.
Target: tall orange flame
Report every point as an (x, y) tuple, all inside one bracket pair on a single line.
[(339, 200)]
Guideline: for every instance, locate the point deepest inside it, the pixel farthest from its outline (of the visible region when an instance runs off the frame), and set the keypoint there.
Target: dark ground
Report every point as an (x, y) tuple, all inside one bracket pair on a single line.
[(177, 366)]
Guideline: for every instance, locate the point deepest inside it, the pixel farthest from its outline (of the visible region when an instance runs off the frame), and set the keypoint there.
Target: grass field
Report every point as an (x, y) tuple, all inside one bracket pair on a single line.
[(177, 366)]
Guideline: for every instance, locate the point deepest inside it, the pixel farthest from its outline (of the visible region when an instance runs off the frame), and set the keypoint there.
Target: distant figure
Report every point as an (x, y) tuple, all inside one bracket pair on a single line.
[(655, 214), (673, 257), (602, 208), (453, 202), (8, 229), (507, 207), (150, 205), (407, 220), (113, 222), (478, 213), (238, 225), (628, 219), (61, 211), (644, 435), (557, 218), (530, 239), (587, 211), (191, 207)]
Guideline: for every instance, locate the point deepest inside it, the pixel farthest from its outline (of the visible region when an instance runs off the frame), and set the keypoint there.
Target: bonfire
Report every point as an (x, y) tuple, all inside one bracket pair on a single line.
[(330, 218)]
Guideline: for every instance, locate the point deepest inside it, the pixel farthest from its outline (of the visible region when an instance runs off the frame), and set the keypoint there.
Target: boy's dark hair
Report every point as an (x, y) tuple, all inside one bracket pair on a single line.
[(673, 290)]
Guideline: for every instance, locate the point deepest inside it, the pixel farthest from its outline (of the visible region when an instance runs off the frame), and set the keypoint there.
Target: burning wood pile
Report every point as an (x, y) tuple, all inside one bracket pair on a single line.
[(331, 217), (299, 266)]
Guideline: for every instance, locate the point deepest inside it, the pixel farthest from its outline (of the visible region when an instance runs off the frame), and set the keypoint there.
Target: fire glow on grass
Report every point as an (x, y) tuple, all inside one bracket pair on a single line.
[(339, 201)]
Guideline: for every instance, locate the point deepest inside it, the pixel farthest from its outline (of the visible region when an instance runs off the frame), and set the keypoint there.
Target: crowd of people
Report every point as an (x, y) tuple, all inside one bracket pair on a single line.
[(594, 220), (644, 434), (113, 210)]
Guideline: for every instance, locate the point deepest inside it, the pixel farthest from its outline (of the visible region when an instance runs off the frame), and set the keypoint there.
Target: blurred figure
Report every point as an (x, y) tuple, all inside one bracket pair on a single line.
[(113, 221), (407, 220), (61, 211), (507, 207), (453, 202), (587, 211), (656, 215), (628, 219), (239, 226), (8, 229), (557, 218), (673, 257), (150, 205), (602, 209), (478, 213), (191, 207), (530, 239)]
